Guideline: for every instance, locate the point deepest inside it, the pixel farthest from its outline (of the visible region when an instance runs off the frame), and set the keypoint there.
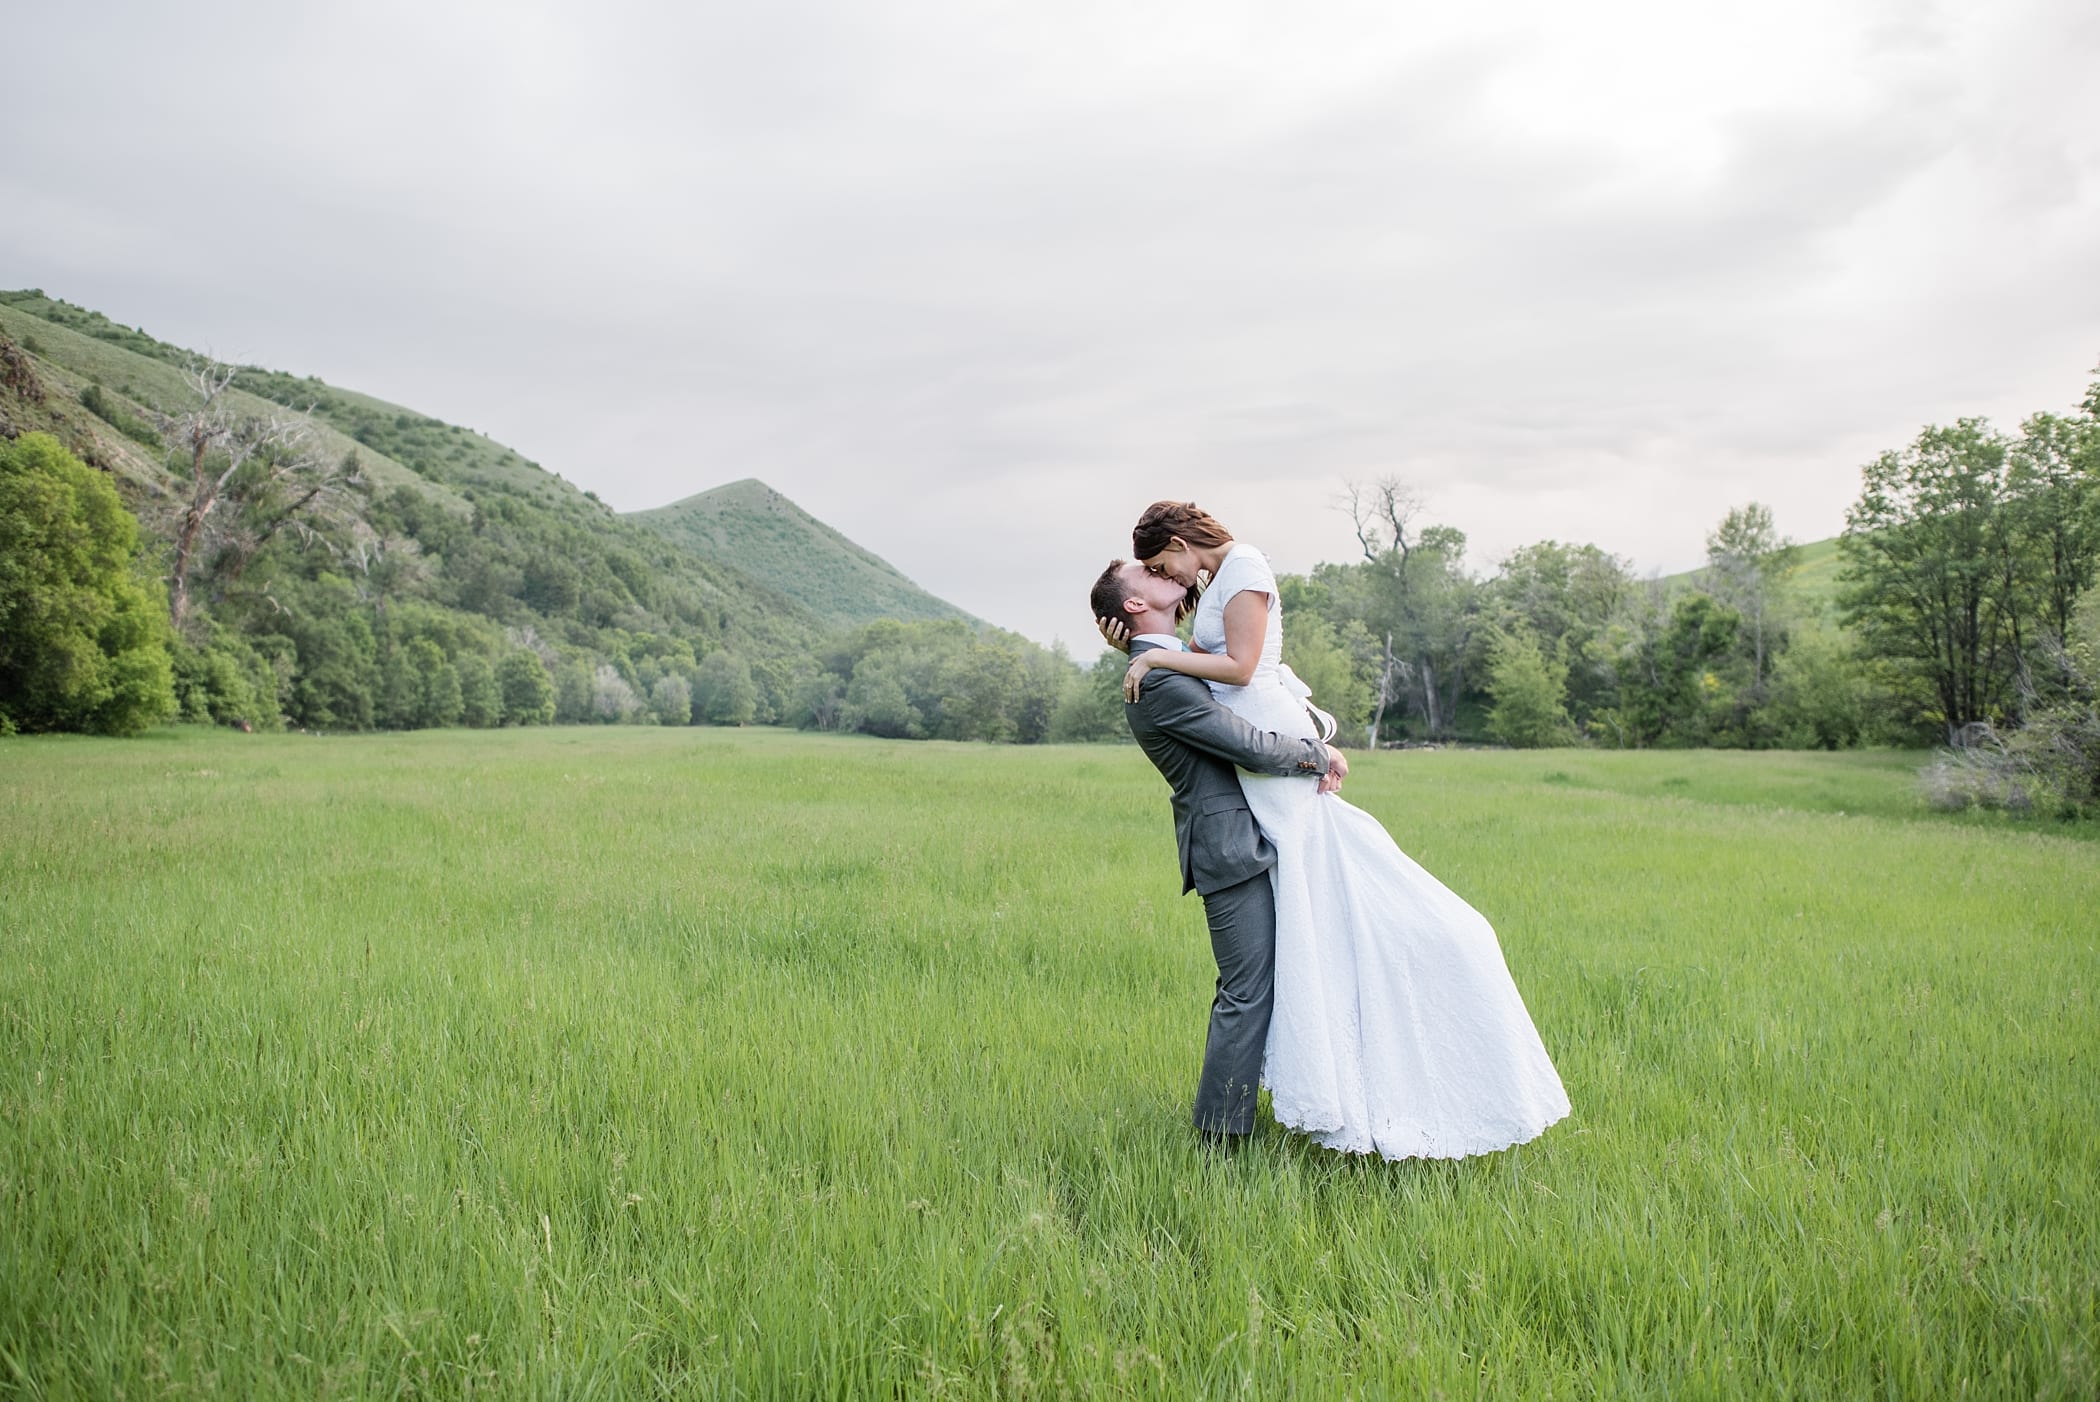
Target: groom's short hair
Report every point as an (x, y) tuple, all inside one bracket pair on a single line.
[(1110, 591)]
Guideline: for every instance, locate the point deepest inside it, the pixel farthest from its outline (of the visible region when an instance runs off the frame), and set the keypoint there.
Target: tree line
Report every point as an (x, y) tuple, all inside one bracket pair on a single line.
[(1963, 564), (279, 586)]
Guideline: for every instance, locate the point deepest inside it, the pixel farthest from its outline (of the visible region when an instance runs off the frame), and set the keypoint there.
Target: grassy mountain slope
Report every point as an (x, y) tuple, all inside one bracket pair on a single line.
[(754, 528), (71, 356), (744, 546), (476, 547)]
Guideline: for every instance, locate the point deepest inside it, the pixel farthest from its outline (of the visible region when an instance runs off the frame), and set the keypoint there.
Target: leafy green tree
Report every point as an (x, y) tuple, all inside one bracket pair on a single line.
[(2053, 486), (528, 692), (1819, 697), (1685, 684), (551, 584), (1929, 580), (1039, 677), (419, 689), (879, 697), (726, 694), (225, 680), (441, 699), (779, 679), (83, 640), (672, 700), (1529, 687), (818, 702), (613, 697), (1413, 599), (336, 681), (1090, 703), (1569, 597), (573, 693), (480, 698), (1747, 561), (979, 690)]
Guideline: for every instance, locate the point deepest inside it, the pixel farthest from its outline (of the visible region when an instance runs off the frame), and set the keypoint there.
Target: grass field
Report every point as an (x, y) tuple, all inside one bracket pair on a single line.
[(714, 1063)]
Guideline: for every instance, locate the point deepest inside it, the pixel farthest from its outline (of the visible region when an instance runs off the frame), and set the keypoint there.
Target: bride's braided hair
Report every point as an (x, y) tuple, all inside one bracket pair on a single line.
[(1164, 520)]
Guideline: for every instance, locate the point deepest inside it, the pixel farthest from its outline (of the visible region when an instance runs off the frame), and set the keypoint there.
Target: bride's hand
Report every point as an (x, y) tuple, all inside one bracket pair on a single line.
[(1115, 632), (1135, 677), (1337, 770)]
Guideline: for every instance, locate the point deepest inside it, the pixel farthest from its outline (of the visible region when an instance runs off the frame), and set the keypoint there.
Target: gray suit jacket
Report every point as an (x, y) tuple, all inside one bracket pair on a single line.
[(1196, 743)]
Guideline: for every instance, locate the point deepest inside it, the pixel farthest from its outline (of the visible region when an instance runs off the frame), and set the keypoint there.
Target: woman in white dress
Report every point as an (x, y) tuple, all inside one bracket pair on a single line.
[(1397, 1029)]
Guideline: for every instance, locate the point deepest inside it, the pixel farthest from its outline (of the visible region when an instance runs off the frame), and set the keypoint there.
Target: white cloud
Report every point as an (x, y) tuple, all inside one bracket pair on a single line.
[(976, 283)]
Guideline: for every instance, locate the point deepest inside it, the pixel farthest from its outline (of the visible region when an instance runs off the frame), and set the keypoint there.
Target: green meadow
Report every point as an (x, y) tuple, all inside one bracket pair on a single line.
[(716, 1063)]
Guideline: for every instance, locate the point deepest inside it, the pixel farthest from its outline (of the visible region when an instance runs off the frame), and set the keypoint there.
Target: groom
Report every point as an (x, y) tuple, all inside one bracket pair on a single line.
[(1196, 744)]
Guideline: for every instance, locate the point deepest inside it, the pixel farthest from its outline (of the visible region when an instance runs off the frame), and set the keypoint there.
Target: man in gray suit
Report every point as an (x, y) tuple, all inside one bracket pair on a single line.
[(1197, 745)]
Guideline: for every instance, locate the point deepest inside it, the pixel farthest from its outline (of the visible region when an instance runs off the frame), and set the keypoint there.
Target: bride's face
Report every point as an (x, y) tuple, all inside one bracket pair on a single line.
[(1156, 590), (1177, 562)]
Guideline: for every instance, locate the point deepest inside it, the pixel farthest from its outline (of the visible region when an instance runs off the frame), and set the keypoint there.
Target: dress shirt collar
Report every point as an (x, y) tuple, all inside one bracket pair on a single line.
[(1165, 640)]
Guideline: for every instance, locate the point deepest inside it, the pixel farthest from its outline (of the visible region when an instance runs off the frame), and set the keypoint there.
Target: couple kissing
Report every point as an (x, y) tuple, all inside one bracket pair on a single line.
[(1371, 1001)]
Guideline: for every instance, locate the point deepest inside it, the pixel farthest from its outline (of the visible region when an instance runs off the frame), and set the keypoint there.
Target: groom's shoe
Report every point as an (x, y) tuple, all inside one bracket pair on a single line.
[(1218, 1141)]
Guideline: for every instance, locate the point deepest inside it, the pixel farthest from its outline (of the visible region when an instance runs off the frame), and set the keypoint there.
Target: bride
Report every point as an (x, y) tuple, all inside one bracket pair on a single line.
[(1397, 1029)]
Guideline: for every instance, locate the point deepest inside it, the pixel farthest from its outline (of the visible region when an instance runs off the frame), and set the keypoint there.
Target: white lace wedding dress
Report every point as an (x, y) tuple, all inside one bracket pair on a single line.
[(1397, 1029)]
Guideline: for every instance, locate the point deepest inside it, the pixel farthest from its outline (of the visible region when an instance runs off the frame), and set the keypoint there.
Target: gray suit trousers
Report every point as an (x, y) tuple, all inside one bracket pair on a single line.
[(1243, 937)]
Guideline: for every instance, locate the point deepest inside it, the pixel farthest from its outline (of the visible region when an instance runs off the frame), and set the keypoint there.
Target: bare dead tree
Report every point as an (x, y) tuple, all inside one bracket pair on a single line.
[(1382, 511), (250, 478)]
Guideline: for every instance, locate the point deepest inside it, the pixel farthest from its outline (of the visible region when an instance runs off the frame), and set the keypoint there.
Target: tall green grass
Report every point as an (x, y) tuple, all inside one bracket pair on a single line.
[(715, 1063)]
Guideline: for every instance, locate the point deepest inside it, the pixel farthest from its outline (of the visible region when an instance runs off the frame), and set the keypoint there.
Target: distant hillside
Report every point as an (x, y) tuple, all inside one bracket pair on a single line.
[(755, 529), (1813, 578), (74, 349), (745, 527), (476, 548)]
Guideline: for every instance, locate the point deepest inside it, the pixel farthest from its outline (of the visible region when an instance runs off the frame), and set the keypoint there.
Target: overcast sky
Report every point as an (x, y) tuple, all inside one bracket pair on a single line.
[(976, 282)]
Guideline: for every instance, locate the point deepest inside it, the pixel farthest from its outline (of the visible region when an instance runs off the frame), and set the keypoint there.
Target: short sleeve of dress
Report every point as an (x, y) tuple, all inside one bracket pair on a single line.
[(1245, 568)]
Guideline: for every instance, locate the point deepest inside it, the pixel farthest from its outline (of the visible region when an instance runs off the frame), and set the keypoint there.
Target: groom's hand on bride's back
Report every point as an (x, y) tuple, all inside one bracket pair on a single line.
[(1337, 770)]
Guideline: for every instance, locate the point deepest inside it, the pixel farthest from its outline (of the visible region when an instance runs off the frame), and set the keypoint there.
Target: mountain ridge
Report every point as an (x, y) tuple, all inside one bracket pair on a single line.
[(455, 560), (761, 531), (765, 542)]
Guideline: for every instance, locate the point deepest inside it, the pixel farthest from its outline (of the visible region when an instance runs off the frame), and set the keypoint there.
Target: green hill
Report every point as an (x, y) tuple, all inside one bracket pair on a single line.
[(465, 544), (755, 529), (72, 349)]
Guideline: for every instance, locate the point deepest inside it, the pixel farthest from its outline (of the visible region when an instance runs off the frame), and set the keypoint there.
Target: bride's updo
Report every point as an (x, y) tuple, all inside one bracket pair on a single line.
[(1163, 520)]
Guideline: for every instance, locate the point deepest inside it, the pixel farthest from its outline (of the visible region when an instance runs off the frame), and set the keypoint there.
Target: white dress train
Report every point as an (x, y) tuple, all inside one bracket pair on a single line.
[(1397, 1029)]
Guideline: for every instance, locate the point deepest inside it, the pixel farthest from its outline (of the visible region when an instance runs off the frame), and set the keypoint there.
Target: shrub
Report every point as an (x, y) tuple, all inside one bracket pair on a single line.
[(112, 413), (2051, 764)]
